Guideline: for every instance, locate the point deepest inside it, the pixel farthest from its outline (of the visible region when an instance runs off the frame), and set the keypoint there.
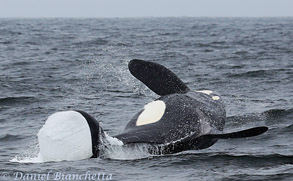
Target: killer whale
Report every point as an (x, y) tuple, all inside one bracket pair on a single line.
[(180, 119), (189, 120)]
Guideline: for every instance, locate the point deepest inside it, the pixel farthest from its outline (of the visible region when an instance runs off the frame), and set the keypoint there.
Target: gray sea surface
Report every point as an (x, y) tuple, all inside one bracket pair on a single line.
[(50, 65)]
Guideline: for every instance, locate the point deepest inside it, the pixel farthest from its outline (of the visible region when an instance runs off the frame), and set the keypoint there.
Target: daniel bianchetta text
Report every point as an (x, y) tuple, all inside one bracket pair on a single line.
[(55, 176)]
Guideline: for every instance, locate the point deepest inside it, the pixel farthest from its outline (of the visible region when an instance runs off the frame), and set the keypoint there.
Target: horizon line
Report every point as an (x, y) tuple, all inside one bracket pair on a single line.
[(134, 17)]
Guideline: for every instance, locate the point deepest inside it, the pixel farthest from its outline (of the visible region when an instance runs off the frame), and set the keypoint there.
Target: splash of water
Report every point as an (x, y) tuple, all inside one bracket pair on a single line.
[(112, 148), (115, 149), (31, 155)]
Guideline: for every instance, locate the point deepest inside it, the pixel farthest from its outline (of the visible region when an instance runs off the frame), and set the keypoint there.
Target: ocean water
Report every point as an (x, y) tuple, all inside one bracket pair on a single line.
[(50, 65)]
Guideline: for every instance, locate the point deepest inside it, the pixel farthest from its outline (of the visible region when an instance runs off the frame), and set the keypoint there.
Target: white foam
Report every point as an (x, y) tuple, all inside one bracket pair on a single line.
[(31, 155), (112, 141), (126, 152), (27, 159), (115, 149)]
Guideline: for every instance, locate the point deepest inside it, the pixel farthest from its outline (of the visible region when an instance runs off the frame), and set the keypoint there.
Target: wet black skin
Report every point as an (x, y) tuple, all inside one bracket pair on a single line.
[(187, 117), (97, 132)]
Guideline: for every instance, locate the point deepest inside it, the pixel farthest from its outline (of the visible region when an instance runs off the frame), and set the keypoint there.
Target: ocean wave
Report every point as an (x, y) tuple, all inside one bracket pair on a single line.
[(269, 115), (16, 100), (10, 137), (257, 73), (288, 128), (94, 42), (247, 158), (5, 42), (250, 177)]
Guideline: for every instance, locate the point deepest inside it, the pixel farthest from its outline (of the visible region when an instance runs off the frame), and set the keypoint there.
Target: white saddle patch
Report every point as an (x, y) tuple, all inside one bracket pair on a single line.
[(215, 98), (208, 92), (152, 113)]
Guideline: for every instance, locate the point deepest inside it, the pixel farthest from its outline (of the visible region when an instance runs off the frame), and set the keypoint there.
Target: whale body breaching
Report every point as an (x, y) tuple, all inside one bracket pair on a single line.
[(180, 119)]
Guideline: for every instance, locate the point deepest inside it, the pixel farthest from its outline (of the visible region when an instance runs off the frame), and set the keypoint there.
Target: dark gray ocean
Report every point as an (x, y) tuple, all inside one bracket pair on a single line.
[(50, 65)]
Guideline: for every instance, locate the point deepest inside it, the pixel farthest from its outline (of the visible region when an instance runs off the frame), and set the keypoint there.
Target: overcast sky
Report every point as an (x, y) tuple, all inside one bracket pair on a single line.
[(145, 8)]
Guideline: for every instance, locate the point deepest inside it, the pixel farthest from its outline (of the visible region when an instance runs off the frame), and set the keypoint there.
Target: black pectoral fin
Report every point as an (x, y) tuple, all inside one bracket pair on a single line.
[(158, 78), (97, 133), (239, 134)]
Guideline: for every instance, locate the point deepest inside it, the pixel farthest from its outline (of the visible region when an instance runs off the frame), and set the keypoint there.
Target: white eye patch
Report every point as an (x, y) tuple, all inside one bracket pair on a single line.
[(152, 113)]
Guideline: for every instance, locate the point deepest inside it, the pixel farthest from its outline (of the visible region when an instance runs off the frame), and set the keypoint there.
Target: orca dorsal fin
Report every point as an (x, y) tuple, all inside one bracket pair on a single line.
[(158, 78), (239, 134)]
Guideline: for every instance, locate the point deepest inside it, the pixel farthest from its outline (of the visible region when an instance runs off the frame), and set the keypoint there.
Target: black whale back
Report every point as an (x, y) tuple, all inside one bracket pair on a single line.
[(183, 116), (187, 112)]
